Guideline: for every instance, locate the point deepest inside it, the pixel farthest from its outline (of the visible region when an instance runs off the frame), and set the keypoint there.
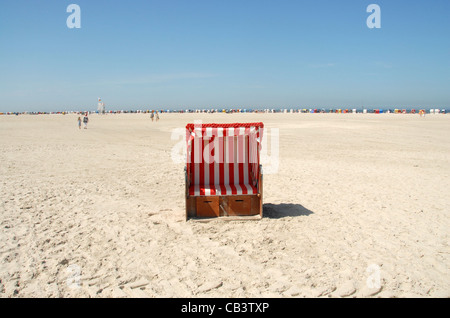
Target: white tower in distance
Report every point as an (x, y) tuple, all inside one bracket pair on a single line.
[(101, 106)]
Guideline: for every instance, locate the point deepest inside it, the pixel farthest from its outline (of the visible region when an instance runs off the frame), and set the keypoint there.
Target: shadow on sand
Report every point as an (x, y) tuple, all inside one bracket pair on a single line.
[(277, 211)]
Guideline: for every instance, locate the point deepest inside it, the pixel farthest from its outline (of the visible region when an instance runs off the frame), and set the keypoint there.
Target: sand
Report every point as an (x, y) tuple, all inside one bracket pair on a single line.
[(359, 207)]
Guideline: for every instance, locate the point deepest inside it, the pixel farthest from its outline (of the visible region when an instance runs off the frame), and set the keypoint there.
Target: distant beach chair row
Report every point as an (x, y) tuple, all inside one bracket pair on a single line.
[(238, 110)]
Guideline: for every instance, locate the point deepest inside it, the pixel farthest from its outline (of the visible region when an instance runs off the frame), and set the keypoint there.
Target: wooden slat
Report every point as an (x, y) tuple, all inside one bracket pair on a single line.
[(229, 218)]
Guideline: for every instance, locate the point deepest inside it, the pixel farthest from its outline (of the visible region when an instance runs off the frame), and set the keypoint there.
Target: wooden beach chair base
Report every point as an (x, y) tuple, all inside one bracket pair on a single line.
[(236, 207), (225, 207)]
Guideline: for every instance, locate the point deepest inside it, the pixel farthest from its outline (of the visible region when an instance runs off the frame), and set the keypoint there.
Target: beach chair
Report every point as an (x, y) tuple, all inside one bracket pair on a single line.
[(223, 174)]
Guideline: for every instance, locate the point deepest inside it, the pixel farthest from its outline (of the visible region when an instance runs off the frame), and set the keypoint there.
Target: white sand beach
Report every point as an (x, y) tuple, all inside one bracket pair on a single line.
[(359, 207)]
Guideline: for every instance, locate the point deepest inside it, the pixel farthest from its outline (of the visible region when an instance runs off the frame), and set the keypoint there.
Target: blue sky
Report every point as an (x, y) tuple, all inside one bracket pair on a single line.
[(210, 53)]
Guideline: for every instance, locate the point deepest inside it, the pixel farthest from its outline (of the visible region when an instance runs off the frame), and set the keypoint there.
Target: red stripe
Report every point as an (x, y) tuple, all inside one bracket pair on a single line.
[(192, 162), (201, 168), (241, 143), (230, 162), (257, 155), (223, 189), (222, 163), (241, 160), (249, 169), (211, 166), (241, 178), (188, 153)]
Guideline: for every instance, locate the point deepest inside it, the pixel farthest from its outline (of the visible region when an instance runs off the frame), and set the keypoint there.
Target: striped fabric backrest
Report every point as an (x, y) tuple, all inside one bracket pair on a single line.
[(223, 154)]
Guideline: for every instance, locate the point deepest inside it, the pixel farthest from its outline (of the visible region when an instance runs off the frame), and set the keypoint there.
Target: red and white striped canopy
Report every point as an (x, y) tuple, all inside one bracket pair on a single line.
[(223, 159)]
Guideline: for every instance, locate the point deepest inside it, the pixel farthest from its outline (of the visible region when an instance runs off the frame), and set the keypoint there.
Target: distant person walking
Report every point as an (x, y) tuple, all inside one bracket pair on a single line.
[(157, 116), (85, 121), (79, 122), (152, 115)]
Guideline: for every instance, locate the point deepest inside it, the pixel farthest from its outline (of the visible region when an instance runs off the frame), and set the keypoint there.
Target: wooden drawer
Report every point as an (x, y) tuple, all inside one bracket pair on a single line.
[(207, 206), (239, 205)]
